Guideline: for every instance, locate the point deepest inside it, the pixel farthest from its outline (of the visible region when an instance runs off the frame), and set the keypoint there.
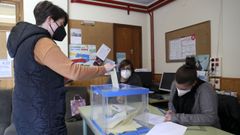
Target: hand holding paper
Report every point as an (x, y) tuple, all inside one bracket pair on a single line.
[(108, 67), (168, 115), (101, 55), (103, 52)]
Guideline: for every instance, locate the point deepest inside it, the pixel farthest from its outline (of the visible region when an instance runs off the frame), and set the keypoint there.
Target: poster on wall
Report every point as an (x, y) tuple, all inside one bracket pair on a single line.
[(92, 54), (120, 56), (79, 52), (202, 62), (182, 47), (5, 68), (75, 36), (82, 54)]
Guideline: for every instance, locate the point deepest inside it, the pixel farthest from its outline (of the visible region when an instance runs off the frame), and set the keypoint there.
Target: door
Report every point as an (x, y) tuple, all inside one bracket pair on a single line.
[(11, 11), (128, 43)]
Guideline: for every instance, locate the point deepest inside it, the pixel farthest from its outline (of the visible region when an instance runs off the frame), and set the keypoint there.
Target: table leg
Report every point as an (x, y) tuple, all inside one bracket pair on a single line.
[(84, 127)]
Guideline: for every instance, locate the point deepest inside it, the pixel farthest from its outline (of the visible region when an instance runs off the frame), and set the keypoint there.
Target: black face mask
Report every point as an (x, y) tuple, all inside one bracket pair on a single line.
[(59, 34)]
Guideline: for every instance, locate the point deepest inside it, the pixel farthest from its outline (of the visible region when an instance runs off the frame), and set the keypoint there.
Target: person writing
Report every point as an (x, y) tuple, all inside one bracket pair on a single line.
[(192, 101), (39, 68)]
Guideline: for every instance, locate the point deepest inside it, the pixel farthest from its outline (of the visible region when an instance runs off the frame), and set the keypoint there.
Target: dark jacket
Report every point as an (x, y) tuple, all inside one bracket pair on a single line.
[(229, 114), (39, 94)]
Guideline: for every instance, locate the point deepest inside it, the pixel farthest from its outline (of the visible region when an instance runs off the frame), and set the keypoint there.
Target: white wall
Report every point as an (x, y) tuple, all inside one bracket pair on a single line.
[(28, 7), (178, 14), (103, 14), (182, 13), (231, 38)]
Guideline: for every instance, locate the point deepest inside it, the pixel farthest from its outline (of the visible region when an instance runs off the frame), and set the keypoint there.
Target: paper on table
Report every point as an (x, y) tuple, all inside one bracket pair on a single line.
[(167, 128), (114, 78), (131, 126), (103, 51), (150, 118)]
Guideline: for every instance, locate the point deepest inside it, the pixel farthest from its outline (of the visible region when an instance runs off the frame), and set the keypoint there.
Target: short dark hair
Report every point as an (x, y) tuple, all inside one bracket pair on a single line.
[(45, 8), (124, 63), (187, 73)]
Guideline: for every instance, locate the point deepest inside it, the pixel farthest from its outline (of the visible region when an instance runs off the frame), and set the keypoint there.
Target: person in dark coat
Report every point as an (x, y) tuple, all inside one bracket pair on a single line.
[(39, 70)]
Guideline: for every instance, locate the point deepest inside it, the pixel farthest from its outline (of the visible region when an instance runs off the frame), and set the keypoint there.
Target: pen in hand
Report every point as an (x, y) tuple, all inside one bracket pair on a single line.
[(168, 115), (162, 111)]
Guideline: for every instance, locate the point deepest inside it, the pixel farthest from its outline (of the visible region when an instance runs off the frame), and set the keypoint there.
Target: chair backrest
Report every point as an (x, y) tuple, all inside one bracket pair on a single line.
[(229, 113), (5, 108)]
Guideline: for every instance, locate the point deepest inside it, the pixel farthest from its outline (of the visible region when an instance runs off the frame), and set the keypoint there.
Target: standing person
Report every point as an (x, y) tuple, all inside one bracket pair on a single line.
[(40, 67), (192, 102)]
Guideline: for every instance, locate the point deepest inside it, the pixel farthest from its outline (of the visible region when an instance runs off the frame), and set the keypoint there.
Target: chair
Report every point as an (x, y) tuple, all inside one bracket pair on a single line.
[(229, 113), (5, 109)]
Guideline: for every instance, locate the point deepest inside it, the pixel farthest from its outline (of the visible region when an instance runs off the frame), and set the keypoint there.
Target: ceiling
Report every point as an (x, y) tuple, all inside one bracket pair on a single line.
[(139, 2), (144, 6)]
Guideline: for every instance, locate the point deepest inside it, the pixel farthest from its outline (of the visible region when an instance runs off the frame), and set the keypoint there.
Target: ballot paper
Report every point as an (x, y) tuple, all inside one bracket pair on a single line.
[(149, 118), (103, 52), (131, 126), (114, 78), (167, 128)]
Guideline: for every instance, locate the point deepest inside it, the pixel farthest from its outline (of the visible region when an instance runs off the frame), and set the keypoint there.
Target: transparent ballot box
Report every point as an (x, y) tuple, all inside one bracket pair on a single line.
[(113, 108)]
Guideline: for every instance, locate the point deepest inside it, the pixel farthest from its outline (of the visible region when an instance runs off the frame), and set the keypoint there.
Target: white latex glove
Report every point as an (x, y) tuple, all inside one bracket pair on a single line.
[(108, 67)]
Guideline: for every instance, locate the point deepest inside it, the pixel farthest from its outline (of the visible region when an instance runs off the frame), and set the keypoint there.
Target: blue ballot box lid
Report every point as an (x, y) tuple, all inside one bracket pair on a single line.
[(107, 90)]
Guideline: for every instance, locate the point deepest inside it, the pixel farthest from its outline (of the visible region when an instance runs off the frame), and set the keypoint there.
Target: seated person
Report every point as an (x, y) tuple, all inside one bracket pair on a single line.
[(192, 101), (126, 74)]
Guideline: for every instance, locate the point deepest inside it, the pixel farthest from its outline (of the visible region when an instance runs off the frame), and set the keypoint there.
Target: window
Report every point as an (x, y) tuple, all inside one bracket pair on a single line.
[(11, 12)]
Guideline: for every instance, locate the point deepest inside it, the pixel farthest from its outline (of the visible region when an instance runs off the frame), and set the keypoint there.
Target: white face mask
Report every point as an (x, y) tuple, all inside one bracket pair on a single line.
[(126, 74), (182, 92)]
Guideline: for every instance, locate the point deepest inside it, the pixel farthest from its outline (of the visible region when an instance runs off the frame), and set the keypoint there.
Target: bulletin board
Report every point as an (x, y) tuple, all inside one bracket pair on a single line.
[(188, 40), (95, 34)]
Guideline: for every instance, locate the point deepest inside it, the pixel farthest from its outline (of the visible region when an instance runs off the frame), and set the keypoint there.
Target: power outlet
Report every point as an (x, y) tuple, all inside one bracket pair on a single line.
[(215, 66), (216, 82)]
